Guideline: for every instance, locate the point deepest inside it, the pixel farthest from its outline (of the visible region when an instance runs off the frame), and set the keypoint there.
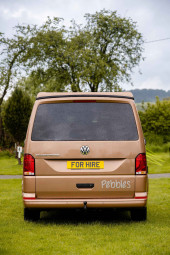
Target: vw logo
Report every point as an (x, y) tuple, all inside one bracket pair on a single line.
[(84, 149)]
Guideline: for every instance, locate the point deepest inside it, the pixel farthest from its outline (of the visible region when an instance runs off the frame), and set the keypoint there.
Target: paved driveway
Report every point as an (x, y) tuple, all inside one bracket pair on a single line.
[(151, 176)]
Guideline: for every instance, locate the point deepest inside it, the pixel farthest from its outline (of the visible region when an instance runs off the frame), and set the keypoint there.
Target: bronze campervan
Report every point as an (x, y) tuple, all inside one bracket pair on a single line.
[(85, 150)]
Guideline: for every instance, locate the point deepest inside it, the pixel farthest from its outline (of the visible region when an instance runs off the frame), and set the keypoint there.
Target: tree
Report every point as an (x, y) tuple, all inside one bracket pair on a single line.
[(113, 50), (17, 113), (94, 57), (12, 53), (13, 57), (155, 119)]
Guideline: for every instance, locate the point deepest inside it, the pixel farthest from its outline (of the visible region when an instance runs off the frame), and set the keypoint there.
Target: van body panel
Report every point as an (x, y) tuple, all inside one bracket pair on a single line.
[(28, 184), (104, 187), (141, 183), (71, 150), (52, 167)]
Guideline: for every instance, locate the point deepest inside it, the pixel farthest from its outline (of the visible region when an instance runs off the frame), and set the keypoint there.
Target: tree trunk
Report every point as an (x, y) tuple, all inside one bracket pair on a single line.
[(1, 130), (19, 161), (94, 87)]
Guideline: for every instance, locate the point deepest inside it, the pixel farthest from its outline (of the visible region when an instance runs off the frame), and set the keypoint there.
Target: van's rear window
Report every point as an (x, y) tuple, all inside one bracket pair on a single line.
[(84, 122)]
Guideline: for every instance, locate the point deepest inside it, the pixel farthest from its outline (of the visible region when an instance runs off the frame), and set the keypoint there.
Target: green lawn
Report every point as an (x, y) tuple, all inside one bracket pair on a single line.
[(158, 162), (71, 233), (9, 165)]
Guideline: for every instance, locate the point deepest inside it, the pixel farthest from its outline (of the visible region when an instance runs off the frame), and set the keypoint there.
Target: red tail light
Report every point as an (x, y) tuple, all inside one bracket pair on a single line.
[(29, 165), (140, 164)]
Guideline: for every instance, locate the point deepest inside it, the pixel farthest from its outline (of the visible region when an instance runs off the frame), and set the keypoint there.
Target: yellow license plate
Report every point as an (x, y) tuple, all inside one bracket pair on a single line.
[(85, 164)]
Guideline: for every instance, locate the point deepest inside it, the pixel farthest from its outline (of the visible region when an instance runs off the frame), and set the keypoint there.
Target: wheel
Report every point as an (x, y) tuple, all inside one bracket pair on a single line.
[(31, 215), (139, 214)]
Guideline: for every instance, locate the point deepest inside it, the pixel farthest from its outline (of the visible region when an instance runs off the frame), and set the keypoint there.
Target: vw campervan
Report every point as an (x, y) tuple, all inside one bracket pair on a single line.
[(85, 150)]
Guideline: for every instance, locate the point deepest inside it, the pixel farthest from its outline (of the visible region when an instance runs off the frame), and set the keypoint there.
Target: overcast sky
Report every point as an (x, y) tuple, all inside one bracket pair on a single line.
[(152, 17)]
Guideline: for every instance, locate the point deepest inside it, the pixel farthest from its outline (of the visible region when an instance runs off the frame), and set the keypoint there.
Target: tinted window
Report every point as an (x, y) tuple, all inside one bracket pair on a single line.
[(84, 121)]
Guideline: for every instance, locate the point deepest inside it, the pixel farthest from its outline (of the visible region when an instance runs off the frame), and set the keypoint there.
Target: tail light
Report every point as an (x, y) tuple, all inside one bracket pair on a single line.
[(29, 165), (140, 164)]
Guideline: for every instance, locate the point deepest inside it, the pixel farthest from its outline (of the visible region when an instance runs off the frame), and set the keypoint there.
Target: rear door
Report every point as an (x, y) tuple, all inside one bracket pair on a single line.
[(85, 148)]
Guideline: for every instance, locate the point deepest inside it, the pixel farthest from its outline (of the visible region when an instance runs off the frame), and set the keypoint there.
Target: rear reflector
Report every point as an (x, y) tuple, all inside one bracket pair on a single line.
[(28, 195), (141, 195), (140, 164), (29, 198), (29, 165)]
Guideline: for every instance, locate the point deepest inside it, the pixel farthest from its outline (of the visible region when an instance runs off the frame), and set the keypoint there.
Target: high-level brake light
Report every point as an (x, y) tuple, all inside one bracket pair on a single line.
[(84, 101)]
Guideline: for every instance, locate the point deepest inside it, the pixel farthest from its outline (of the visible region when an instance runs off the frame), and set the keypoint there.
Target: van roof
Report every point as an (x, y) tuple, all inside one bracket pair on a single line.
[(45, 95)]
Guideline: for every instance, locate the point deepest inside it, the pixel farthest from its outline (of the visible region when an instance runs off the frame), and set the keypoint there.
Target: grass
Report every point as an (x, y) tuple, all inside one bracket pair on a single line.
[(73, 234), (9, 164), (158, 162)]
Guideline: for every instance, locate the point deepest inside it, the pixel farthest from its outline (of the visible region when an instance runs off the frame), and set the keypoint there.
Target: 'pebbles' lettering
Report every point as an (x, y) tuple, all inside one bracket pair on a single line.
[(115, 184)]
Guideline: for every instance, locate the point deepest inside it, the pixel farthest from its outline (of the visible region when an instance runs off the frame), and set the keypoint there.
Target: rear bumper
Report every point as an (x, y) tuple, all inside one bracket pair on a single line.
[(79, 203)]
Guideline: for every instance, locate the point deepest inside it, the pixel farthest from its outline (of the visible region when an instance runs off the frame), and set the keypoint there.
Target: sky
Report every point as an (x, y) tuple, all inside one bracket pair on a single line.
[(152, 17)]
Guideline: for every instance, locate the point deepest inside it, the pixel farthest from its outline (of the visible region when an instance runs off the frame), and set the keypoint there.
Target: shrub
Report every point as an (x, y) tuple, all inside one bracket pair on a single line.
[(155, 120), (17, 113)]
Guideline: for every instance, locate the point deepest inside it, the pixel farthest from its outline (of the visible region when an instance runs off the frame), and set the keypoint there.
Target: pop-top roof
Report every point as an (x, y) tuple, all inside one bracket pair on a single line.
[(45, 95)]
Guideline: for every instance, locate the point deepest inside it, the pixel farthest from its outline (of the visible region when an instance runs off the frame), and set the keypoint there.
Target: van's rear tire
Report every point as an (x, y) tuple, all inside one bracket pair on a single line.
[(139, 214), (31, 215)]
